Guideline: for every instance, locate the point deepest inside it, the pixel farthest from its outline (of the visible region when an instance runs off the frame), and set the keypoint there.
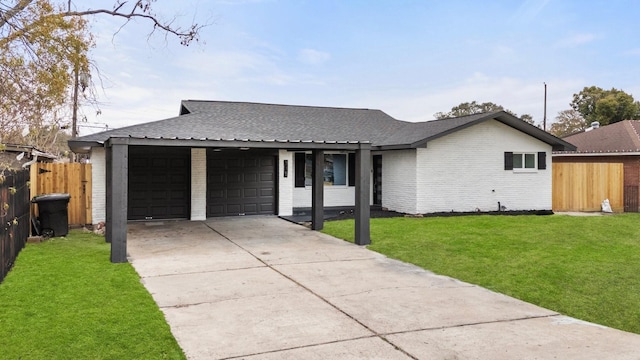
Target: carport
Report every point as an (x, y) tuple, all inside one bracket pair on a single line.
[(117, 151)]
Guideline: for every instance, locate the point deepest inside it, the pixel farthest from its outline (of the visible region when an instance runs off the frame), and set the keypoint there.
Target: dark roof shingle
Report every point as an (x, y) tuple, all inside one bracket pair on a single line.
[(620, 137), (223, 120)]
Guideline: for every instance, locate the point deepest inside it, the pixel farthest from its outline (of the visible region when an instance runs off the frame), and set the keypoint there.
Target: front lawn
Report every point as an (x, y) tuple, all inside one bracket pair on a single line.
[(63, 299), (584, 267)]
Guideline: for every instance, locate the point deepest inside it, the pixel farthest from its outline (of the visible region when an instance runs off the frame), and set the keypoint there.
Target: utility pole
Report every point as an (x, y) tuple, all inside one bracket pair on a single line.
[(74, 122), (80, 79), (544, 119), (74, 116)]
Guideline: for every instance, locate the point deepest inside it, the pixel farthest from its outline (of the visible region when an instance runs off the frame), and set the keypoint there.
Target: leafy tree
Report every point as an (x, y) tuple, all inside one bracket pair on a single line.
[(605, 106), (44, 44), (37, 59), (470, 108), (525, 117), (567, 122)]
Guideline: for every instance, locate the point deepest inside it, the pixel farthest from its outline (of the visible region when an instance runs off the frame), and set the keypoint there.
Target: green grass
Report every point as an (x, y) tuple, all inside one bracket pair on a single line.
[(584, 267), (63, 299)]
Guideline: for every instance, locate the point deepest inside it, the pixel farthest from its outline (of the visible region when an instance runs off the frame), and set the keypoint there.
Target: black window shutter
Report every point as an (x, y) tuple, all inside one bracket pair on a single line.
[(542, 160), (508, 160), (352, 169), (299, 169)]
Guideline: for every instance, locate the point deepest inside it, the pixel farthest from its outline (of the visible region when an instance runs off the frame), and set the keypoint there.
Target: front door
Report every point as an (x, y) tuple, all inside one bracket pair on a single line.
[(377, 179)]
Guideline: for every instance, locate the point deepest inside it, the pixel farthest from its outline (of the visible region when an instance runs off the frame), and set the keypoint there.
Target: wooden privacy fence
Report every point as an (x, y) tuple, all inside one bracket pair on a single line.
[(71, 178), (583, 186)]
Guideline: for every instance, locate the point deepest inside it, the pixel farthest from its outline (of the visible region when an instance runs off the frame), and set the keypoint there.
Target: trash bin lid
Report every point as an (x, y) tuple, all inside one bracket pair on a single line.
[(51, 197)]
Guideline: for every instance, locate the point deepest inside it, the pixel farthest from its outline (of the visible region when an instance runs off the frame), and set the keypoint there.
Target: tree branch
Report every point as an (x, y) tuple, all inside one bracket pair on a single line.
[(186, 36), (21, 5)]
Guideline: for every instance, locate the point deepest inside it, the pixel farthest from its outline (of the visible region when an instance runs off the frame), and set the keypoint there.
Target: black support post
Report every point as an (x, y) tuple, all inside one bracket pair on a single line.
[(363, 191), (108, 171), (317, 188), (117, 187)]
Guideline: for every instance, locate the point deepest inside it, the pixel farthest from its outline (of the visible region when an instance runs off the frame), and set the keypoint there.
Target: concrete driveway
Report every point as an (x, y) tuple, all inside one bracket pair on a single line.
[(263, 288)]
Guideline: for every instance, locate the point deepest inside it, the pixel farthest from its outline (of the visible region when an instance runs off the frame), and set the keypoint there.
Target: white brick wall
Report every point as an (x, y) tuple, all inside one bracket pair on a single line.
[(464, 171), (98, 185), (399, 180), (285, 185), (198, 184), (333, 196)]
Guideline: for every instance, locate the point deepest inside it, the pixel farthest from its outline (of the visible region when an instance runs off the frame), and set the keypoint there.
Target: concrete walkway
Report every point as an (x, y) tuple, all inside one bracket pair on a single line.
[(264, 288)]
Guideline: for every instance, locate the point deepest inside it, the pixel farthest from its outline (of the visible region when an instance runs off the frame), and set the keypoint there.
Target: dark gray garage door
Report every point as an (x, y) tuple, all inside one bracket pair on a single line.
[(240, 183), (159, 183)]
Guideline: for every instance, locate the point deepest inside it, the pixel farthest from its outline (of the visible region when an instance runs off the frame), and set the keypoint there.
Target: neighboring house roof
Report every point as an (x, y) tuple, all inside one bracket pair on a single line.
[(254, 122), (16, 156), (617, 138)]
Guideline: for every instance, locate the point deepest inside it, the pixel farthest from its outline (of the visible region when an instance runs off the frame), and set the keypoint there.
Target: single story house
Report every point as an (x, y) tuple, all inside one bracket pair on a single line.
[(615, 143), (219, 158)]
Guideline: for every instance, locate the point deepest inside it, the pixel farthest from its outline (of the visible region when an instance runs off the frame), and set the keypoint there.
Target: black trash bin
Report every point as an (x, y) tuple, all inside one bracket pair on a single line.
[(53, 214)]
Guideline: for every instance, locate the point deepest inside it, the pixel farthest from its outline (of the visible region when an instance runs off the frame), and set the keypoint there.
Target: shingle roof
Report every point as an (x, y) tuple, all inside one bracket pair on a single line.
[(620, 137), (259, 122), (412, 133), (223, 120)]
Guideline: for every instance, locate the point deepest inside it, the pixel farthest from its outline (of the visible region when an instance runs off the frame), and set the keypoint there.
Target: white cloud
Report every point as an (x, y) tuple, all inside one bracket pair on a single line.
[(529, 10), (313, 57), (576, 40)]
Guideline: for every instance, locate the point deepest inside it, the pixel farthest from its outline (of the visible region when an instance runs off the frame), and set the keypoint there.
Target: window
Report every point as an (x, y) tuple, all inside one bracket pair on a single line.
[(339, 170), (525, 161)]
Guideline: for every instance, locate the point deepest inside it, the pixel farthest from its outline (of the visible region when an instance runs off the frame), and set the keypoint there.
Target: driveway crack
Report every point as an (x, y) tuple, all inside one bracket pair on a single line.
[(316, 295)]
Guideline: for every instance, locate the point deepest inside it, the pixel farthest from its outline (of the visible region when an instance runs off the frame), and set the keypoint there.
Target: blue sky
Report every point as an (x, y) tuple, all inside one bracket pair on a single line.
[(410, 59)]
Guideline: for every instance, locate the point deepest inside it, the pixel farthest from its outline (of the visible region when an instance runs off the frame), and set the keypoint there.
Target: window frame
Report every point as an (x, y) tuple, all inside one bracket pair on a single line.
[(539, 161), (303, 169)]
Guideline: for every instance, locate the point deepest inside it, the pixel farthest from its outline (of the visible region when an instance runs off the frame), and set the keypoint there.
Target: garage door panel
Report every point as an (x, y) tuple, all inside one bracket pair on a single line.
[(216, 179), (216, 210), (177, 162), (178, 194), (234, 193), (159, 162), (159, 183), (160, 212), (234, 179), (242, 188), (216, 194), (215, 163), (234, 209), (251, 163), (250, 209), (265, 207), (250, 193), (177, 211), (137, 162)]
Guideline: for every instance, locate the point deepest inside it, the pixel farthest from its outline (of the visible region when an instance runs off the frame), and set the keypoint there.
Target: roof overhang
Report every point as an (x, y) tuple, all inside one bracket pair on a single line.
[(534, 131), (587, 154), (514, 122), (240, 143), (501, 116), (83, 147)]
